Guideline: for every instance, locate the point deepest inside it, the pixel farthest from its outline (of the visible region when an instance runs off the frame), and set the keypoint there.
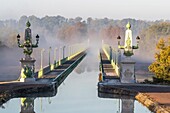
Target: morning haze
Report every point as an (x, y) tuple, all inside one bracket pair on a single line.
[(116, 9), (95, 56)]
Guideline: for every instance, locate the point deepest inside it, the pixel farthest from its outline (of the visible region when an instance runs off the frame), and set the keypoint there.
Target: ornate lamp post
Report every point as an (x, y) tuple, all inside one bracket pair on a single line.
[(128, 65), (27, 63), (128, 48)]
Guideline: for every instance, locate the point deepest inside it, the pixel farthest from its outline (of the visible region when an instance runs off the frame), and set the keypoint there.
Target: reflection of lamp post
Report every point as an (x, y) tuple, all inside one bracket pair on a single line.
[(27, 105), (42, 51), (127, 105), (27, 63), (49, 51)]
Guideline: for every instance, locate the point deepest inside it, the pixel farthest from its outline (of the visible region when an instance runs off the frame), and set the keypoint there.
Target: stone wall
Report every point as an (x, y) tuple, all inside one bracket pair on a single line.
[(150, 103)]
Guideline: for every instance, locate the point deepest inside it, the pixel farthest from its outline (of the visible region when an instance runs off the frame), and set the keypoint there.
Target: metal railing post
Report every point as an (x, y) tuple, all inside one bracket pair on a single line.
[(49, 56), (42, 51)]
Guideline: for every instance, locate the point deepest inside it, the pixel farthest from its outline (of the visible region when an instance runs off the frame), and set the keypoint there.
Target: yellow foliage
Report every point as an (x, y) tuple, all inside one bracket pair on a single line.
[(161, 66)]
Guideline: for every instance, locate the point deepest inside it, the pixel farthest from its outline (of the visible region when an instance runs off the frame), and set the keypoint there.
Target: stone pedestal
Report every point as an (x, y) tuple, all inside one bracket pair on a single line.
[(128, 71), (27, 71)]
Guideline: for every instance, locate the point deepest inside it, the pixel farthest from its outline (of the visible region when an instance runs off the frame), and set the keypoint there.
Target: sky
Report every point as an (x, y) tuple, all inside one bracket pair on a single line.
[(113, 9)]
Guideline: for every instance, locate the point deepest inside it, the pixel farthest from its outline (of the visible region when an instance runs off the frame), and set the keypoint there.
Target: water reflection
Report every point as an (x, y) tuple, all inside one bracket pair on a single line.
[(78, 94), (27, 105), (126, 104), (90, 63)]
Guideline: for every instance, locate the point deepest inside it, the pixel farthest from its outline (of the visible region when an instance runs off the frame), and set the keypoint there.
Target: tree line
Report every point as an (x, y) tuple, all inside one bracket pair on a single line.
[(64, 29), (60, 30)]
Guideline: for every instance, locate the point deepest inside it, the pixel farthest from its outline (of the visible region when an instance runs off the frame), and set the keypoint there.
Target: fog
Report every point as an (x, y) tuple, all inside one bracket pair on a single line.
[(10, 64), (56, 32)]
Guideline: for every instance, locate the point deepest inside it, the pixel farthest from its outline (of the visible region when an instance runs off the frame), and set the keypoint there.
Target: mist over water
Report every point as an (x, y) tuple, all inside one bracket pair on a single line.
[(10, 64), (57, 31), (78, 93)]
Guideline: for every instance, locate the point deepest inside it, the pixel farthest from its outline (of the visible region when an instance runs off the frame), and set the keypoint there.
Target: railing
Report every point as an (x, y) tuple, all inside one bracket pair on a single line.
[(114, 55), (60, 78), (102, 73), (61, 55)]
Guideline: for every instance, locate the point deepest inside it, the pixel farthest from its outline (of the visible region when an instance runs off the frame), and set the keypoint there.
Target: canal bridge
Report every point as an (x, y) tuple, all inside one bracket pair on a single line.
[(117, 76), (110, 84), (47, 78)]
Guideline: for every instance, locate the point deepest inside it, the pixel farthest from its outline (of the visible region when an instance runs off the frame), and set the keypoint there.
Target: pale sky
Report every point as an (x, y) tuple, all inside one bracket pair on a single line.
[(113, 9)]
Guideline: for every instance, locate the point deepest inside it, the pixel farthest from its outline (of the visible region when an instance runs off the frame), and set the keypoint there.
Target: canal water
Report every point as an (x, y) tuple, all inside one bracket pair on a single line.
[(77, 94)]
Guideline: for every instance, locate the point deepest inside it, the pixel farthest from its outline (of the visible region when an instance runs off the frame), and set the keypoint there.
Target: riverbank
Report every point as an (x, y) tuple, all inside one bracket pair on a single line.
[(156, 102)]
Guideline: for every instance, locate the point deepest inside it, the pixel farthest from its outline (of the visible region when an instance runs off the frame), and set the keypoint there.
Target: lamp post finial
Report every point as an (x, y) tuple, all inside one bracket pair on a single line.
[(28, 24), (128, 25)]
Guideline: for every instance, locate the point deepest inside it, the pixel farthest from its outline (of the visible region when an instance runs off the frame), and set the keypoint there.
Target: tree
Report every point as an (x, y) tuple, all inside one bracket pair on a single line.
[(161, 65)]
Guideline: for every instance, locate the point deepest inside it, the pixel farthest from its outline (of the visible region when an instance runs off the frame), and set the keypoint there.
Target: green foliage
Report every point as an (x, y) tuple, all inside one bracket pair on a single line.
[(161, 65)]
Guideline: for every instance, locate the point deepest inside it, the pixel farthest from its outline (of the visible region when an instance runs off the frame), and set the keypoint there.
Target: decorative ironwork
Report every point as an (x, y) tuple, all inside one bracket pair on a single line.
[(128, 47), (28, 45)]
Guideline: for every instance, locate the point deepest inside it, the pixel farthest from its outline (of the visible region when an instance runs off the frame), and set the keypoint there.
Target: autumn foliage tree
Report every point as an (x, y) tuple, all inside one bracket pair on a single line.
[(161, 65)]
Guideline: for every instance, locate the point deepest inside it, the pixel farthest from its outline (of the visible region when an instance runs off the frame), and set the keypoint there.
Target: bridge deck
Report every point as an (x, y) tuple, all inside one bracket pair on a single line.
[(57, 71), (12, 89), (152, 96), (107, 67)]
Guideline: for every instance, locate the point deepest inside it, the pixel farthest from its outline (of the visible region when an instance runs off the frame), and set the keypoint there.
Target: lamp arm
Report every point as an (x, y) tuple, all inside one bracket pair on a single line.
[(135, 47), (34, 45), (121, 47), (20, 45)]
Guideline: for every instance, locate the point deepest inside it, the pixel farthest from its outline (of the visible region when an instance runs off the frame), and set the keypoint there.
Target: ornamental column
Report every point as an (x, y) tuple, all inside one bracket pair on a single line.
[(27, 63), (127, 72)]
